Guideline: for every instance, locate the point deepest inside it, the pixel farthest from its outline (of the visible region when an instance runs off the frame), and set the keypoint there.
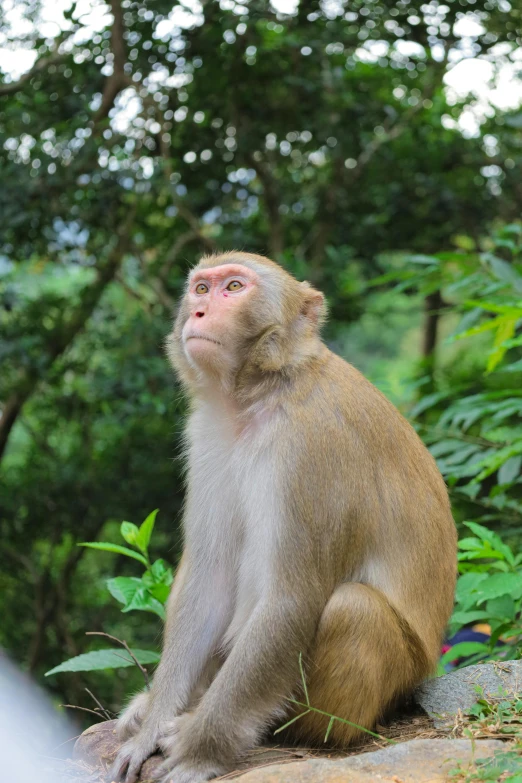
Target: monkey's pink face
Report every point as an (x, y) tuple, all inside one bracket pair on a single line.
[(215, 297)]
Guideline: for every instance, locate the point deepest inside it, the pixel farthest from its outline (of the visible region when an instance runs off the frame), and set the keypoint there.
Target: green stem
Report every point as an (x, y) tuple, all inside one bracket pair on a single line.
[(342, 720)]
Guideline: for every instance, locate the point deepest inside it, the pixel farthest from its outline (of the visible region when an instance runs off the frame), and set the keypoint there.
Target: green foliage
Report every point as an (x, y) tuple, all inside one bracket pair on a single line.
[(489, 590), (504, 765), (148, 594), (139, 142), (108, 658), (473, 425), (491, 717)]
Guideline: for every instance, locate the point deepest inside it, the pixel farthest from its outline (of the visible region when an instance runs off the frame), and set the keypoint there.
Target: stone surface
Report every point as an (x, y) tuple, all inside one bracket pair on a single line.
[(443, 697), (417, 761), (413, 761), (97, 748)]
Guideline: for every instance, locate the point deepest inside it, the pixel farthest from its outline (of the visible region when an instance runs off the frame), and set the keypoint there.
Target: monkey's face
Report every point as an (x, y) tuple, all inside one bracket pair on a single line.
[(242, 313), (217, 304)]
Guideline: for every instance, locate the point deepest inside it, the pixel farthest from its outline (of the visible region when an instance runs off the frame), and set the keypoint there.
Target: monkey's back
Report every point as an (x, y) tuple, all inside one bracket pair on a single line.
[(384, 499)]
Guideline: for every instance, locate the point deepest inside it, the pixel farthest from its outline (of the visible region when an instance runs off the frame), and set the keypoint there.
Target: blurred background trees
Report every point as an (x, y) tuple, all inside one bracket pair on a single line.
[(137, 136)]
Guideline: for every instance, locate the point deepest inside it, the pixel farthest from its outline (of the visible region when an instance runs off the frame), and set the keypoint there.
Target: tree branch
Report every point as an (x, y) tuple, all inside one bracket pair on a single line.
[(117, 81), (187, 215), (345, 178), (64, 335), (272, 203), (181, 241), (40, 65), (124, 644)]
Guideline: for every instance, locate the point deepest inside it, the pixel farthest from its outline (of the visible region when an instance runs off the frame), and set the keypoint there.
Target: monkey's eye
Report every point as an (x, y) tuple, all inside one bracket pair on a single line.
[(202, 288), (235, 285)]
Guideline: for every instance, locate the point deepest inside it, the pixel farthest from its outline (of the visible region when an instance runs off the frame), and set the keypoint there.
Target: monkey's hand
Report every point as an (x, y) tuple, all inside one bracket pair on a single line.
[(134, 752), (183, 744)]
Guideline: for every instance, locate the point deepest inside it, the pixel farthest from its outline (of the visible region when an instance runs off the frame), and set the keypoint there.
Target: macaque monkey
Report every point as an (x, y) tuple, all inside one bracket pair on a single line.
[(316, 523)]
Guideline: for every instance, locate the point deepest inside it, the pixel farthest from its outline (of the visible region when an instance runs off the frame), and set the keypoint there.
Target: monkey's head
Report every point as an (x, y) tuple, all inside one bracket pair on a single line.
[(242, 313)]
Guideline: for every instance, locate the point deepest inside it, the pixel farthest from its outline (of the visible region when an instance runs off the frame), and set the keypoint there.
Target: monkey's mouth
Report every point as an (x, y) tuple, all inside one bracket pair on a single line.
[(196, 336)]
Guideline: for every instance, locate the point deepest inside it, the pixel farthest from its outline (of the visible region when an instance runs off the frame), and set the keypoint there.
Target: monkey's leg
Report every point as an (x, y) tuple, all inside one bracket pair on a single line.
[(364, 658)]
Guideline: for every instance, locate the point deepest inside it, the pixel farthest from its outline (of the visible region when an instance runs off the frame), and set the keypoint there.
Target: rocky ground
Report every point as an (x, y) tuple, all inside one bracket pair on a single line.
[(431, 742)]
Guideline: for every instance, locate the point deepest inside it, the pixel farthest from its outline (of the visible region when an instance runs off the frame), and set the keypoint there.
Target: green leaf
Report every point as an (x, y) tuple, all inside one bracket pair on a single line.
[(485, 534), (486, 326), (494, 461), (145, 532), (104, 659), (143, 601), (470, 543), (123, 588), (506, 330), (162, 572), (516, 342), (510, 470), (429, 401), (160, 591), (492, 307), (120, 550), (467, 584), (465, 618), (129, 532), (504, 271), (504, 606), (499, 584), (159, 574), (513, 367), (422, 259), (445, 447), (462, 650)]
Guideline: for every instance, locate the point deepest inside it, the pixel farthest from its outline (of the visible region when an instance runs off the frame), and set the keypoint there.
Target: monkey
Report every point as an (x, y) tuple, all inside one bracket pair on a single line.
[(317, 528)]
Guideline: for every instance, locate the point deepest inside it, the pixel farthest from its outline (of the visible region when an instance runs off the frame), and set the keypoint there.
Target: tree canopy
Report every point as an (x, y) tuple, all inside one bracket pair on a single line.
[(141, 136)]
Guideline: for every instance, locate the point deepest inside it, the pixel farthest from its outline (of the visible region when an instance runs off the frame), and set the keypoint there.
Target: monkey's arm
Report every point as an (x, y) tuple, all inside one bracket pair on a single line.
[(197, 613), (261, 670)]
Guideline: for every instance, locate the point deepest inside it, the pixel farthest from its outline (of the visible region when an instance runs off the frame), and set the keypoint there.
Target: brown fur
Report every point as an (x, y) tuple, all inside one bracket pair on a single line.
[(363, 572)]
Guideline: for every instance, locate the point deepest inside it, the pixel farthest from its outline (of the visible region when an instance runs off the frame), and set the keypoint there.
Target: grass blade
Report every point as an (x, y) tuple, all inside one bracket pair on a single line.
[(303, 679), (291, 721)]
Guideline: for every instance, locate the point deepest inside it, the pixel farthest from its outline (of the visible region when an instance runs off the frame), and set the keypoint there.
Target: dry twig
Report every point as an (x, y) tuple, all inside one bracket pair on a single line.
[(124, 644)]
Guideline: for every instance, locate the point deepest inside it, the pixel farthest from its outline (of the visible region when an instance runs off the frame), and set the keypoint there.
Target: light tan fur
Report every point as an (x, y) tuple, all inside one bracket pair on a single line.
[(316, 523)]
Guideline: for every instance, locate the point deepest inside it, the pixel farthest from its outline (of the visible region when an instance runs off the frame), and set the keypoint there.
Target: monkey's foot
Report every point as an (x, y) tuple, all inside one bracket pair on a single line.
[(181, 764), (133, 753), (190, 773)]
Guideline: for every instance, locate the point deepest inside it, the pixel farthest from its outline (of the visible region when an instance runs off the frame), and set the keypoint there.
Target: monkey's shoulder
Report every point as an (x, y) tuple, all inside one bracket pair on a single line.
[(338, 402), (344, 387)]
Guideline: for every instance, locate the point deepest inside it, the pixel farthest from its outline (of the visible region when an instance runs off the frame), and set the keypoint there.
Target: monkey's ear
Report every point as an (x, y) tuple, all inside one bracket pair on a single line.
[(268, 353), (314, 306)]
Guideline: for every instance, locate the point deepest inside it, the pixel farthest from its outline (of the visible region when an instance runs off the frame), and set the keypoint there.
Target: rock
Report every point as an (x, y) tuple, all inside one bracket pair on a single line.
[(444, 696), (413, 761), (97, 745), (417, 761), (97, 748)]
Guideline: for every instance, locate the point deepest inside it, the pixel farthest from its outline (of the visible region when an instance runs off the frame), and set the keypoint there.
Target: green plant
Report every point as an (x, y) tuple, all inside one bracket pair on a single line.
[(493, 717), (147, 593), (307, 707), (489, 590), (470, 418), (503, 766)]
